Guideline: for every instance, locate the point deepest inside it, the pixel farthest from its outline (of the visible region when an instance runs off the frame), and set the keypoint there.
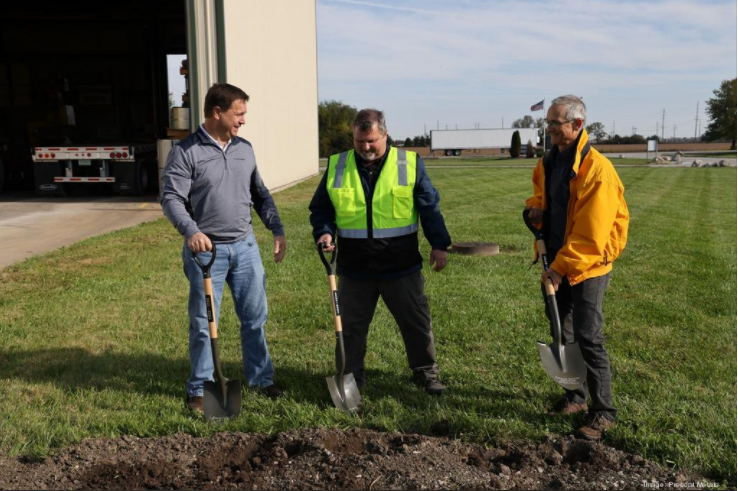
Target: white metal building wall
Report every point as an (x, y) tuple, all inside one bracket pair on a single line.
[(269, 49)]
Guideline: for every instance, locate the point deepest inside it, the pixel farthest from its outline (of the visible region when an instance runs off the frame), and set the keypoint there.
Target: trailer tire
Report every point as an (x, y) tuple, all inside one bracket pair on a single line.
[(142, 178), (448, 153), (457, 153)]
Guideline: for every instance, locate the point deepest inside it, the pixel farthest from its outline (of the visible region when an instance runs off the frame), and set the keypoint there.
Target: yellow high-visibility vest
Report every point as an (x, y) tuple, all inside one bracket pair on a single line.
[(393, 207)]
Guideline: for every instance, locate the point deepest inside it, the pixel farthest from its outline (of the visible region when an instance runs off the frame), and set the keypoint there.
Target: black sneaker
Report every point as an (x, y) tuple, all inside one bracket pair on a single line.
[(272, 391), (433, 387)]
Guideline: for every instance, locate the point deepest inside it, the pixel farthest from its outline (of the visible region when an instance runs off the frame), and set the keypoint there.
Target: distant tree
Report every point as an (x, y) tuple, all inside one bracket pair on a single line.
[(524, 122), (334, 127), (529, 150), (408, 142), (515, 145), (597, 130), (722, 111), (527, 121)]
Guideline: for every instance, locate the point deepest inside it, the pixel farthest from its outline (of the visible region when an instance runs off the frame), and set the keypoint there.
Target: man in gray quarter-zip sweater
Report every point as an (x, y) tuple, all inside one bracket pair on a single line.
[(210, 186)]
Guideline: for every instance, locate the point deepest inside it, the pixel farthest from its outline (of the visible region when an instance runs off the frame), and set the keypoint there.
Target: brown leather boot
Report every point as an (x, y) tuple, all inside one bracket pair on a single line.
[(565, 407), (194, 403), (594, 427)]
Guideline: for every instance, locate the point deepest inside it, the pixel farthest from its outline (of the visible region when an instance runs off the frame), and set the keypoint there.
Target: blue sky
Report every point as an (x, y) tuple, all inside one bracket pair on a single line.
[(463, 63)]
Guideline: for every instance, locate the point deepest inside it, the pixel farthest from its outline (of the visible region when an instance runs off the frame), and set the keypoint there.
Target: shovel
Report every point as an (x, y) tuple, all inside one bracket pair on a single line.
[(343, 388), (221, 398), (563, 362)]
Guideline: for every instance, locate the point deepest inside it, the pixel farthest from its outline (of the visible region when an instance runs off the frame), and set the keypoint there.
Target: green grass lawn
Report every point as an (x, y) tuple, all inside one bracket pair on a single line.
[(93, 337), (509, 162)]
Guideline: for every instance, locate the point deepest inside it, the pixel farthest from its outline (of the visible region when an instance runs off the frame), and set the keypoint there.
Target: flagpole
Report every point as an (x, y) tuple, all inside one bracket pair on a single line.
[(544, 126)]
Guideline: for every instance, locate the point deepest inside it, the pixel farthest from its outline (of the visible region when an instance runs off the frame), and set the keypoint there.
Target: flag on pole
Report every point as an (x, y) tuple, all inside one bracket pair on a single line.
[(537, 107)]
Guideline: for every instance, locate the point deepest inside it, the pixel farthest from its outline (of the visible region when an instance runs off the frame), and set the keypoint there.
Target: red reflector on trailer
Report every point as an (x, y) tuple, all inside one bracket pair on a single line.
[(112, 155), (125, 155), (52, 155), (117, 155)]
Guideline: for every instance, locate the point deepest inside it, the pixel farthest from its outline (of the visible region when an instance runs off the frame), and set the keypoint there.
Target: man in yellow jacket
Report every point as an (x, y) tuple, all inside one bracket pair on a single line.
[(578, 200)]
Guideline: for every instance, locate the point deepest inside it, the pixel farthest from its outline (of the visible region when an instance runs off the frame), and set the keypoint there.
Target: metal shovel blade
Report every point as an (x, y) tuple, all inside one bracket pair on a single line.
[(216, 406), (348, 399), (564, 363)]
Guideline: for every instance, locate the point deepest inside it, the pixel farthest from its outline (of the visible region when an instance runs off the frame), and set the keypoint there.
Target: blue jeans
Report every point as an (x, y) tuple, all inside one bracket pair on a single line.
[(239, 265)]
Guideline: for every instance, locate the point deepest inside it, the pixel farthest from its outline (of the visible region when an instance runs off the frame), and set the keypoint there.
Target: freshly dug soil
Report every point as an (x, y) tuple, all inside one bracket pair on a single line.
[(334, 459)]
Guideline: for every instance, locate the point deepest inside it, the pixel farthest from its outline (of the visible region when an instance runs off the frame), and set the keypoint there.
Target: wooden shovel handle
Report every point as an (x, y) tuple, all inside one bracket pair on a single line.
[(210, 306), (334, 303)]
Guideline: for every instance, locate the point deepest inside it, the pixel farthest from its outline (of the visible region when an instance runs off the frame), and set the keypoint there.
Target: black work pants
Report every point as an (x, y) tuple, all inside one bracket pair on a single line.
[(406, 301), (580, 311)]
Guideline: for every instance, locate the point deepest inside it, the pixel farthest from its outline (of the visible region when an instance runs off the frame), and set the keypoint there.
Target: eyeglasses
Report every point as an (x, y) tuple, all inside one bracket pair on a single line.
[(555, 123)]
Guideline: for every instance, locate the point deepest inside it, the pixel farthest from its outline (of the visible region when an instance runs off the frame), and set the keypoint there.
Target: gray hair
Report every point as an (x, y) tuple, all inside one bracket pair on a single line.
[(575, 108), (367, 118)]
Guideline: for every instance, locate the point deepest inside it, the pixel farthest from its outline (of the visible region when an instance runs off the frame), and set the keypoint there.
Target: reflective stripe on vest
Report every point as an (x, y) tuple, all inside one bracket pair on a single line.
[(393, 207), (382, 233)]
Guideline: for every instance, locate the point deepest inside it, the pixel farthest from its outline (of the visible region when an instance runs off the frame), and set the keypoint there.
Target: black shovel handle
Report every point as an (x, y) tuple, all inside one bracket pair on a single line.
[(329, 264), (205, 267), (540, 239)]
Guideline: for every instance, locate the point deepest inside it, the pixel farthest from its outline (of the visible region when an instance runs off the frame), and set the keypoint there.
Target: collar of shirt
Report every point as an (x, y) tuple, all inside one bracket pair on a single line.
[(224, 148)]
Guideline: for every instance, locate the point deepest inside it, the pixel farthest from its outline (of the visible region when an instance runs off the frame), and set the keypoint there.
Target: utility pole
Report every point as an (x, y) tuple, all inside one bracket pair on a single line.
[(613, 130), (696, 118), (663, 118), (675, 127), (503, 122), (634, 130)]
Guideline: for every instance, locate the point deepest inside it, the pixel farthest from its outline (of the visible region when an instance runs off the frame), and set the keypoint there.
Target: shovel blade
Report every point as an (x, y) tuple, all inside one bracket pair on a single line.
[(564, 363), (218, 407), (349, 399)]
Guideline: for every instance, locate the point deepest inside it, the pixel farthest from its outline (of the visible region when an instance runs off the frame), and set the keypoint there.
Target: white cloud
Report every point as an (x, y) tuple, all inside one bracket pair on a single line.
[(453, 58)]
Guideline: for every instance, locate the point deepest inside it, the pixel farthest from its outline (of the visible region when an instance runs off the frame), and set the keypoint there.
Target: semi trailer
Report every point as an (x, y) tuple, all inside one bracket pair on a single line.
[(452, 142)]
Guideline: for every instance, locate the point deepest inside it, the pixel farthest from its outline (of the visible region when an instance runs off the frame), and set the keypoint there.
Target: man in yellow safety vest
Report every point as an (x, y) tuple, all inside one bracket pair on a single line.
[(373, 198)]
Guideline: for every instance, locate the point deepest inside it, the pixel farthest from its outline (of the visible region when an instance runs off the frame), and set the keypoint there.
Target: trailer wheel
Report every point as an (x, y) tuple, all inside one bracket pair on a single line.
[(142, 178), (448, 153), (457, 152)]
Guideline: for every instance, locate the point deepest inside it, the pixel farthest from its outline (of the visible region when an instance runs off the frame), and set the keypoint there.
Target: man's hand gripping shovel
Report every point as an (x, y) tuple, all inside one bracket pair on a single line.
[(343, 388), (563, 362)]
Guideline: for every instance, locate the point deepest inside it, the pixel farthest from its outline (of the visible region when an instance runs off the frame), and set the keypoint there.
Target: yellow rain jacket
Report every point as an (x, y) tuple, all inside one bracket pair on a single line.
[(597, 216)]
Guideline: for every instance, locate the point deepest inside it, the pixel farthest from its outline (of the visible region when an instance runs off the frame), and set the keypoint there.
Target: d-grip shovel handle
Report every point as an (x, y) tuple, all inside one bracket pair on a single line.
[(212, 326), (550, 290), (329, 268), (208, 285), (329, 265), (332, 283)]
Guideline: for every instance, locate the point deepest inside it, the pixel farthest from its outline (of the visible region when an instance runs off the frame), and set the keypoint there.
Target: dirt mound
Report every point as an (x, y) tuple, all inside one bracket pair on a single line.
[(334, 459)]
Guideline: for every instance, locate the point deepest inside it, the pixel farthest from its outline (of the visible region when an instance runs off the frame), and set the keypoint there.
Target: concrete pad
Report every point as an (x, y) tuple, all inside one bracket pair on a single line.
[(32, 225)]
